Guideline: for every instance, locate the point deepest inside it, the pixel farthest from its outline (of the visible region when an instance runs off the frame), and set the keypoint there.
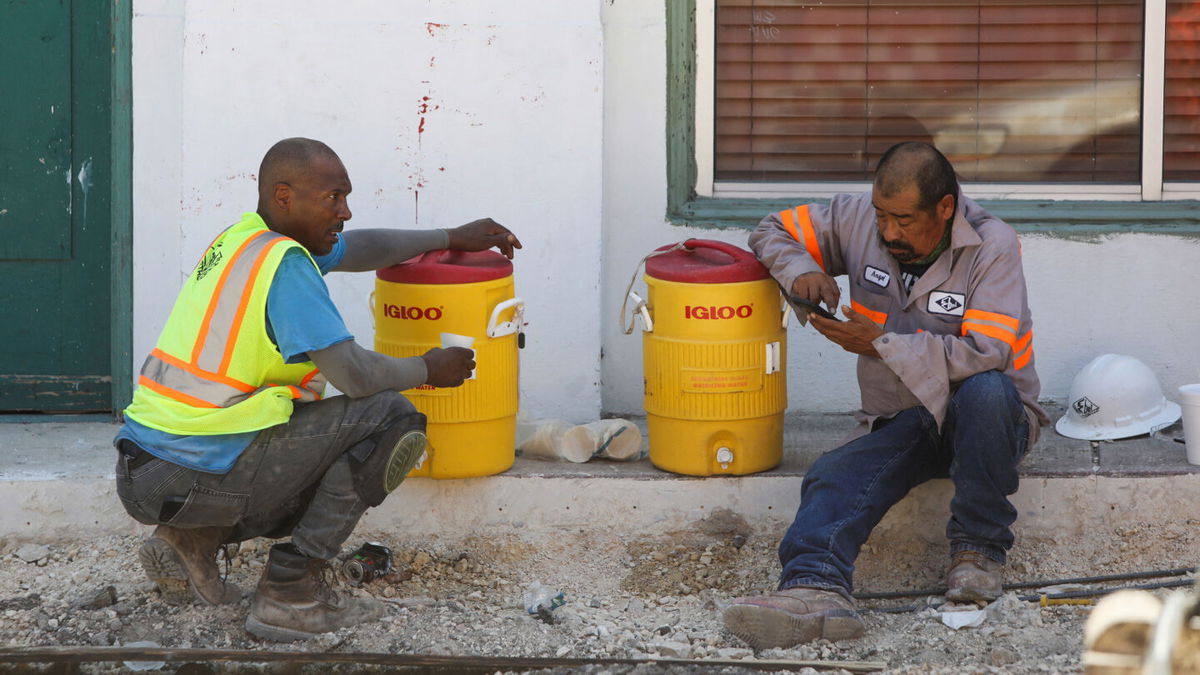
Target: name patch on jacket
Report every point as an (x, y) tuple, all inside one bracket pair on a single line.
[(876, 276), (951, 304)]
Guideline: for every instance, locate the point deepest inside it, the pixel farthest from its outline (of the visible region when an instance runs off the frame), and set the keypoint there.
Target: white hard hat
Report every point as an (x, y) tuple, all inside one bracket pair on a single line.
[(1115, 396)]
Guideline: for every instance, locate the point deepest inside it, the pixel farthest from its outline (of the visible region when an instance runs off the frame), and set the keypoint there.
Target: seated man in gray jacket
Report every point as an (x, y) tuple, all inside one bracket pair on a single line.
[(940, 319)]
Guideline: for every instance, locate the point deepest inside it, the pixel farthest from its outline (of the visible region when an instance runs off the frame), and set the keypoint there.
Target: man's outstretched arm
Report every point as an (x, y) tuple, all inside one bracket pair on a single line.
[(358, 372), (373, 249)]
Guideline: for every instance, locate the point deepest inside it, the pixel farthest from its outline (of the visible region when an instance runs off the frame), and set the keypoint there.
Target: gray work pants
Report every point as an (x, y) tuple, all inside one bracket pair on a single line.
[(294, 479)]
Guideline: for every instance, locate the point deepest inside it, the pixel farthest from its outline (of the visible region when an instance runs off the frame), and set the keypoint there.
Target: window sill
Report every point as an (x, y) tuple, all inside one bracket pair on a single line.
[(1027, 216)]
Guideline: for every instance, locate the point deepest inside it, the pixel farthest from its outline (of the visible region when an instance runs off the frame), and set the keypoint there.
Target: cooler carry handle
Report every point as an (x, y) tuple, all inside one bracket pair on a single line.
[(728, 249), (496, 328), (639, 304), (640, 308)]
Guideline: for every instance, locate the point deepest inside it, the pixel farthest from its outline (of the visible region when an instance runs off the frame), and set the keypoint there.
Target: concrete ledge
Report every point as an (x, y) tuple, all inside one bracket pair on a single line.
[(56, 480)]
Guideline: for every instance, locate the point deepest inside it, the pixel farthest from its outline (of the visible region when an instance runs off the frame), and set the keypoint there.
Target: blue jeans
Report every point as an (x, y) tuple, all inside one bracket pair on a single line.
[(849, 489)]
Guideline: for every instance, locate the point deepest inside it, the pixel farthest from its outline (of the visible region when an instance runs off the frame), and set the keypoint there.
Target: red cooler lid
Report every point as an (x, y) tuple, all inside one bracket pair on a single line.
[(706, 262), (444, 266)]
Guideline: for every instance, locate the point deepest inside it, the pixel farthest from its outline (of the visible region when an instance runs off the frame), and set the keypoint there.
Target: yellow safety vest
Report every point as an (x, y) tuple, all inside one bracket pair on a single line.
[(214, 369)]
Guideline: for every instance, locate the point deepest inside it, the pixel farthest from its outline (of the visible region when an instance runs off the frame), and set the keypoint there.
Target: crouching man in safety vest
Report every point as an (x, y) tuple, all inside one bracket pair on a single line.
[(939, 318), (228, 437)]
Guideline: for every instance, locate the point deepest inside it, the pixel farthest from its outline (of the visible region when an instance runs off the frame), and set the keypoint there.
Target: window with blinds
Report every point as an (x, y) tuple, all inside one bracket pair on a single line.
[(1009, 90), (1181, 103)]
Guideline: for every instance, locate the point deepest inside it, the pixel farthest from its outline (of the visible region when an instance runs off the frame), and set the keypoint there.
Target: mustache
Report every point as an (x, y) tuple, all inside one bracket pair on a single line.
[(897, 245)]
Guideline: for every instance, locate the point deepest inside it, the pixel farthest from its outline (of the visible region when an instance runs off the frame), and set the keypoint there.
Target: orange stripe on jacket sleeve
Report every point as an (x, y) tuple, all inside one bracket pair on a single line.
[(878, 317), (202, 335), (236, 328), (810, 235), (806, 234), (172, 394), (990, 331), (1002, 319), (1024, 349), (1023, 341), (789, 224), (1023, 359)]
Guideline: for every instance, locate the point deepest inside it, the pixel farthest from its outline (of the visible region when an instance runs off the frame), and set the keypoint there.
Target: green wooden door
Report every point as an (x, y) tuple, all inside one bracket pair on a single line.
[(55, 230)]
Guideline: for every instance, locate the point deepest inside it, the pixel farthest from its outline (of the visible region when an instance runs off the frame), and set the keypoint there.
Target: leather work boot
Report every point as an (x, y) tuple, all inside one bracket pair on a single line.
[(182, 562), (295, 602), (973, 577), (792, 616)]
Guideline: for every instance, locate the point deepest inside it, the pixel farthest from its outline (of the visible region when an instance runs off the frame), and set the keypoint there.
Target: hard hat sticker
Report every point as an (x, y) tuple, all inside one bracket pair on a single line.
[(1085, 407)]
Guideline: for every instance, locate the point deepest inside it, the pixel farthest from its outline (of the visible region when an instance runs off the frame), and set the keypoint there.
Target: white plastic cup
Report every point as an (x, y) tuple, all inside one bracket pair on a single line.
[(1189, 402), (612, 439), (456, 340)]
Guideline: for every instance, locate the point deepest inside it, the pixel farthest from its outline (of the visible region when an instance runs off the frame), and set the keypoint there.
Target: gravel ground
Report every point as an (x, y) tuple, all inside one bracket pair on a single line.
[(646, 599)]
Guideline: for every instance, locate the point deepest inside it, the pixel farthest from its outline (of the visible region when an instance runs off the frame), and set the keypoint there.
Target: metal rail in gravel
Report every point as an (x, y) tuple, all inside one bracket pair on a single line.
[(427, 663)]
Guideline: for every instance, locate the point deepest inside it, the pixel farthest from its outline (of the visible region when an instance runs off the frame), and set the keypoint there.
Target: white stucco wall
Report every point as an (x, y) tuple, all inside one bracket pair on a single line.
[(1131, 294), (443, 112)]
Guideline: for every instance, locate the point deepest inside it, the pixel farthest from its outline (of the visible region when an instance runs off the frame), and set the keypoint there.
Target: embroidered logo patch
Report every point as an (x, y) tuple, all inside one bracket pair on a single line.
[(941, 302), (876, 276), (1085, 407)]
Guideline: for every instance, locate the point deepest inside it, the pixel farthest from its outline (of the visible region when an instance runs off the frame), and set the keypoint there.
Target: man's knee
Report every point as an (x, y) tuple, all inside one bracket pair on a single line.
[(381, 462), (392, 401), (838, 467), (989, 390)]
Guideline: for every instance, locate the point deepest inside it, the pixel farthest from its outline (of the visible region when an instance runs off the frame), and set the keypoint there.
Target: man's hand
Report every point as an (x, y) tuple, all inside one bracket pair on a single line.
[(448, 367), (482, 234), (817, 287), (855, 334)]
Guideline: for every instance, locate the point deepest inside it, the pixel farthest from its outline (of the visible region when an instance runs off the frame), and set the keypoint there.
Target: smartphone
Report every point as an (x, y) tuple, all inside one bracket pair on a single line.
[(813, 307)]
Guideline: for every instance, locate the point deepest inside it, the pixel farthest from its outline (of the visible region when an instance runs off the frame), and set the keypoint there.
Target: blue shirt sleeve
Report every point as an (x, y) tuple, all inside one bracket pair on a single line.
[(301, 317)]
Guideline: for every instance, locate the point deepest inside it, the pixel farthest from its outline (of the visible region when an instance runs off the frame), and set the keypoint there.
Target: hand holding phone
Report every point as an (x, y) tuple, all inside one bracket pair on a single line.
[(812, 307)]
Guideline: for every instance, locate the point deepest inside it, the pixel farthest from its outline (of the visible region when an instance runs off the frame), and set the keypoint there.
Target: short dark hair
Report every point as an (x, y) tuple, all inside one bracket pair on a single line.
[(288, 156), (920, 164)]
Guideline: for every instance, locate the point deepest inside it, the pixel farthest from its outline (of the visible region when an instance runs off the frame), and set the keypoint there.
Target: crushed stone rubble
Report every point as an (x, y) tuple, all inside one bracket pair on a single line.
[(652, 598)]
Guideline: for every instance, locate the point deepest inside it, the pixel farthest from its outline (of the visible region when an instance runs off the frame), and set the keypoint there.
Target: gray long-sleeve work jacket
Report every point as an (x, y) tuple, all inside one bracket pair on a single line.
[(969, 312)]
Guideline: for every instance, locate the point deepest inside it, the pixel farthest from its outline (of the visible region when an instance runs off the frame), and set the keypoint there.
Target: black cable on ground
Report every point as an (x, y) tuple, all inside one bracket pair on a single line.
[(1178, 571), (1089, 593)]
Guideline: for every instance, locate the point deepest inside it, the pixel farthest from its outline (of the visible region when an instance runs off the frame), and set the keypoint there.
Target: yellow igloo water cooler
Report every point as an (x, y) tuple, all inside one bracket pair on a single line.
[(472, 428), (714, 348)]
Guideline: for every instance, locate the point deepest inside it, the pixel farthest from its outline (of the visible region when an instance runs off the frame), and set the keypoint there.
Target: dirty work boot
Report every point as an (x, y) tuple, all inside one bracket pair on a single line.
[(295, 602), (973, 577), (182, 562), (792, 616)]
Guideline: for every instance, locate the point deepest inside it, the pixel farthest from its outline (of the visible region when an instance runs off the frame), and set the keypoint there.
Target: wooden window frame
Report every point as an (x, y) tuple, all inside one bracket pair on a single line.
[(694, 199)]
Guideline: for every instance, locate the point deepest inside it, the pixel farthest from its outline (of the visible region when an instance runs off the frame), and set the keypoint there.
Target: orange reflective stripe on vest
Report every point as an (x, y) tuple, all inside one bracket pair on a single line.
[(228, 305), (178, 377), (203, 382)]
